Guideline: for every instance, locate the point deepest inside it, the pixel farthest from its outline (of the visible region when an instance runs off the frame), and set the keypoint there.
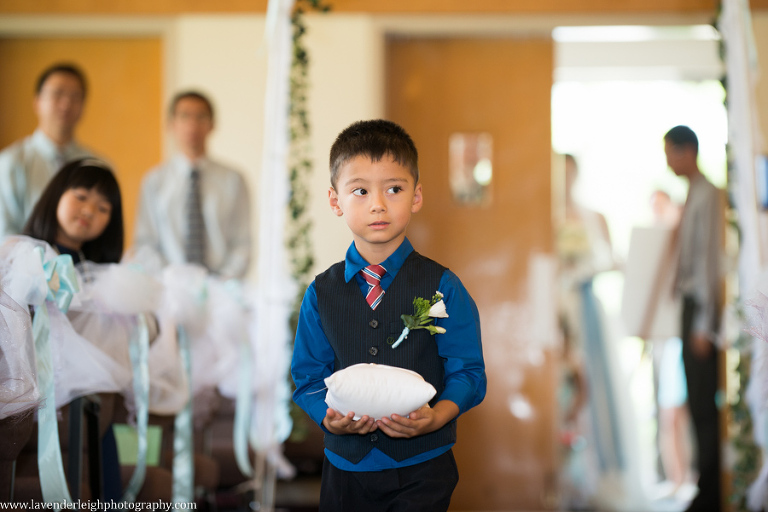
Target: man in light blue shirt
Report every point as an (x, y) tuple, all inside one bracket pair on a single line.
[(27, 166), (222, 224)]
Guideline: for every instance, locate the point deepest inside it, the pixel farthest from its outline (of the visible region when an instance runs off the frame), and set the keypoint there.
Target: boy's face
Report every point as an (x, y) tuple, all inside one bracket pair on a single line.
[(377, 200)]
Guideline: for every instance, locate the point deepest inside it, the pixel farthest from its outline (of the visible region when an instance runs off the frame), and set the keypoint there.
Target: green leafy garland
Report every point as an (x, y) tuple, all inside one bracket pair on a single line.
[(298, 237), (299, 240)]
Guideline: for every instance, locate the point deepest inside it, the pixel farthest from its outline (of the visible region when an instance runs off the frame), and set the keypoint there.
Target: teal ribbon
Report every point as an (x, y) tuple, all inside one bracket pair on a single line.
[(51, 467), (65, 268), (139, 350), (183, 462), (403, 335), (243, 411), (244, 398)]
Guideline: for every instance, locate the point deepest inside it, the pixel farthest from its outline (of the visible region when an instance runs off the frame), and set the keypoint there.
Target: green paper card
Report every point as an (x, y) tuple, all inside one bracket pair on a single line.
[(128, 444)]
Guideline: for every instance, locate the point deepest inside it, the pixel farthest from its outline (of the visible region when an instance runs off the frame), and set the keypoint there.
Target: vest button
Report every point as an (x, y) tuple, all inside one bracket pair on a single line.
[(373, 351), (374, 323), (374, 438)]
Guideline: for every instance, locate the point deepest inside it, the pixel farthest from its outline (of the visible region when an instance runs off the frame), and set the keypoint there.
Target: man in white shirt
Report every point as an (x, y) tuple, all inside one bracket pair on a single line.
[(193, 209), (26, 166), (699, 283)]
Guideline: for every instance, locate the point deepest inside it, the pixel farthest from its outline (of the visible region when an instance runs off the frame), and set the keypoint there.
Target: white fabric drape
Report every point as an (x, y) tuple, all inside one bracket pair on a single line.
[(744, 134), (745, 140), (276, 289)]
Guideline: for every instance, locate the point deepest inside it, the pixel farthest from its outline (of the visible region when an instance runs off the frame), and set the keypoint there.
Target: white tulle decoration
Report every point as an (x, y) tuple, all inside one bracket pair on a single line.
[(184, 297), (111, 296), (119, 288), (227, 329), (18, 376), (756, 395), (80, 368), (182, 303), (212, 346), (21, 271), (168, 385), (271, 424)]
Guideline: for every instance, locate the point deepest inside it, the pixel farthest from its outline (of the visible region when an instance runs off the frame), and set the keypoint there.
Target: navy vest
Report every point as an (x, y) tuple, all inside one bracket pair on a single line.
[(359, 334)]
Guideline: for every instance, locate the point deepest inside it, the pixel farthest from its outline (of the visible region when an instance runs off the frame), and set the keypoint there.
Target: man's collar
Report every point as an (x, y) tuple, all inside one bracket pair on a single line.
[(354, 262), (48, 146), (183, 165)]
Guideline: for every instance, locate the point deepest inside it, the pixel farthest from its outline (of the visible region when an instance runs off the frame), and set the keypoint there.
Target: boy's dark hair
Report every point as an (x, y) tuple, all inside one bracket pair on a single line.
[(683, 136), (196, 95), (85, 173), (374, 139), (61, 67)]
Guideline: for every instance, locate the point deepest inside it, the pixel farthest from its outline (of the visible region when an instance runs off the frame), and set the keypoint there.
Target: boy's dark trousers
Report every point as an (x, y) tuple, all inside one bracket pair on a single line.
[(425, 487), (701, 376)]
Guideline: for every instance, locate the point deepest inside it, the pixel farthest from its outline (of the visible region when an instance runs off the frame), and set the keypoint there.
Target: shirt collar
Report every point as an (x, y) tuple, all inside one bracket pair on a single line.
[(184, 166), (49, 148), (354, 262)]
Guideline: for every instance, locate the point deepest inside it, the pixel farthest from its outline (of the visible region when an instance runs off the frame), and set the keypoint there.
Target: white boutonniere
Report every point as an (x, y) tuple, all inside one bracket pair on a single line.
[(424, 311)]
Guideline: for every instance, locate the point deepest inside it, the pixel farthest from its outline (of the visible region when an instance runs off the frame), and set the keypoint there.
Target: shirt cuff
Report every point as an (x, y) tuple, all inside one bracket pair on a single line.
[(317, 412), (459, 393)]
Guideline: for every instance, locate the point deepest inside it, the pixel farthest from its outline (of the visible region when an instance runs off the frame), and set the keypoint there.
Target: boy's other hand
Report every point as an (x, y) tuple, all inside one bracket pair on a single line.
[(338, 424), (421, 421)]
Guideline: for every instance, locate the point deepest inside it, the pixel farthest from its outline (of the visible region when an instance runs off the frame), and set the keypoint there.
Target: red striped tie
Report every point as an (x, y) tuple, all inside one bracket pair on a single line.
[(372, 275)]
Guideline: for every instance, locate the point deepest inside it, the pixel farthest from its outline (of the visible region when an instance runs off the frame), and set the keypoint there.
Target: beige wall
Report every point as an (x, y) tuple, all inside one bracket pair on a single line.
[(760, 27), (346, 85), (224, 56)]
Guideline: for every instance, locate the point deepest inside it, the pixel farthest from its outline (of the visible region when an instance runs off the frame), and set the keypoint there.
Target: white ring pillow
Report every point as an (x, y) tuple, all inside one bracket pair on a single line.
[(377, 391)]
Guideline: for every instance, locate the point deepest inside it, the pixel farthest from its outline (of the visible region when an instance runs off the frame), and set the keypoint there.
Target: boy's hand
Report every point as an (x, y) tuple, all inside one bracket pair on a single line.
[(420, 421), (337, 423)]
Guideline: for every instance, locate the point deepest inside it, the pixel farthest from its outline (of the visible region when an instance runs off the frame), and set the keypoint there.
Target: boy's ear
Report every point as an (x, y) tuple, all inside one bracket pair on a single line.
[(333, 200), (417, 199)]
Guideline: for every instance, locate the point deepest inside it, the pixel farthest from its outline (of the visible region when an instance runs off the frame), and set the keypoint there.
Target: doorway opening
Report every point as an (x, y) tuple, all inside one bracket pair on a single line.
[(617, 91)]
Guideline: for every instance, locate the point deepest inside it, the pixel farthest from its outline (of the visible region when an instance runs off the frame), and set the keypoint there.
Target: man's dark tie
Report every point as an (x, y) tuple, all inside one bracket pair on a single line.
[(194, 246)]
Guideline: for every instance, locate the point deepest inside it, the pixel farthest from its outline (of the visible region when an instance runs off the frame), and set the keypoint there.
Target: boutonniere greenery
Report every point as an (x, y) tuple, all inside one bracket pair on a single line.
[(424, 311)]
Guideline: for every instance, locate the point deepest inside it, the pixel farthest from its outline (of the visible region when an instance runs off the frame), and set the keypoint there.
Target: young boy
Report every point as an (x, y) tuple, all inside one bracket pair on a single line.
[(348, 316)]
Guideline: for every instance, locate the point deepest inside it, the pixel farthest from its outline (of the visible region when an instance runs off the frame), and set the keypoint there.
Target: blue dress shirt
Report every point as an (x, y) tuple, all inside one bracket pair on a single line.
[(460, 347)]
